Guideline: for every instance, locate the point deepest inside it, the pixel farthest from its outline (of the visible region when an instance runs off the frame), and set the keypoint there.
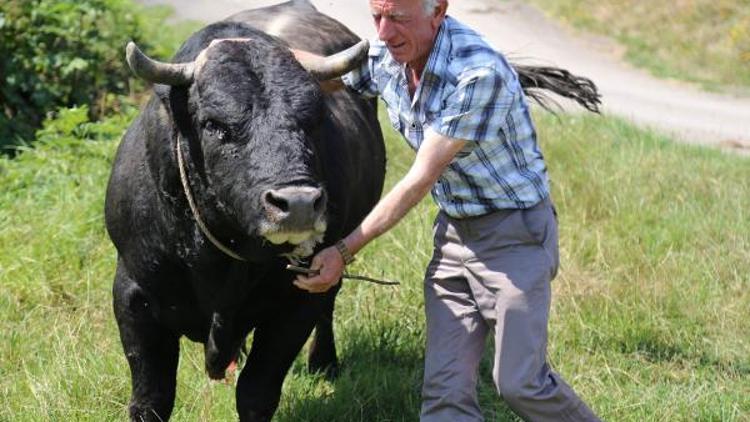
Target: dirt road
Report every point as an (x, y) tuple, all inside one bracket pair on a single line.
[(522, 32)]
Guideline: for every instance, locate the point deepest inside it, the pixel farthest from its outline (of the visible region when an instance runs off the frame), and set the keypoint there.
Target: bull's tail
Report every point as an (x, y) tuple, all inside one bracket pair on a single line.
[(537, 79)]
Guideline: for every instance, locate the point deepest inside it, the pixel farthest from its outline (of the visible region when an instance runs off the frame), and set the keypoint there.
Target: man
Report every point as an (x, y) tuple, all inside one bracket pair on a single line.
[(459, 104)]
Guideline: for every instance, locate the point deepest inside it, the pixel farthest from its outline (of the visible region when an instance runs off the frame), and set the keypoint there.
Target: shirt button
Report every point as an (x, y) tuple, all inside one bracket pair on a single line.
[(413, 125)]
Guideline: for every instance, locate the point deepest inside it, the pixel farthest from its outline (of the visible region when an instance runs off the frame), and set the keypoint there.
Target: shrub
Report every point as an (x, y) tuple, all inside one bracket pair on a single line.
[(67, 53)]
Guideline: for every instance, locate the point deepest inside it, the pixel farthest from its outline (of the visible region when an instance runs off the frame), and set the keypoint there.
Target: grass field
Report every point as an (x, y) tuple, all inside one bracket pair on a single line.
[(702, 41), (649, 318)]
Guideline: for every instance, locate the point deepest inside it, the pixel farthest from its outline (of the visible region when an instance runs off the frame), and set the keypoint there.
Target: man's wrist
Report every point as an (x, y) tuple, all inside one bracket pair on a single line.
[(344, 252)]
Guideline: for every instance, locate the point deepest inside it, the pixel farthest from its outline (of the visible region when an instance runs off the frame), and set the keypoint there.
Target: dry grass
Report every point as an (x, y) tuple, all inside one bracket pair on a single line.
[(703, 41)]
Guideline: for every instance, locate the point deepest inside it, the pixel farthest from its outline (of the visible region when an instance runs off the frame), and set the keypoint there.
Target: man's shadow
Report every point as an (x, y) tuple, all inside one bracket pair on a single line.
[(380, 380)]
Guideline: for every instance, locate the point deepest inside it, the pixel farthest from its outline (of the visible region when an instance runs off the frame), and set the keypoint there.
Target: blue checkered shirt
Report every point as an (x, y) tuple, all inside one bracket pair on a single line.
[(467, 91)]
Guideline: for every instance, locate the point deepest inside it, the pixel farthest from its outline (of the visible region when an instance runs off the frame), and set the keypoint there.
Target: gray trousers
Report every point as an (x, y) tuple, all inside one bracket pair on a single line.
[(491, 274)]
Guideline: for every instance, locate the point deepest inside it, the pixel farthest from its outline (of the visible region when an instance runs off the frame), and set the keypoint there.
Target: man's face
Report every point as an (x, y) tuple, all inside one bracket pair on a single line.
[(406, 29)]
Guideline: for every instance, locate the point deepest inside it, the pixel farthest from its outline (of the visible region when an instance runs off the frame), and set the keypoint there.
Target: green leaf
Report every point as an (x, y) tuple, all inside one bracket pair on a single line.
[(77, 64)]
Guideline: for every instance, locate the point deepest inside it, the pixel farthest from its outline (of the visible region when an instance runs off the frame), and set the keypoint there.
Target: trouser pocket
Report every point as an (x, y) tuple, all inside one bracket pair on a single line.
[(540, 223)]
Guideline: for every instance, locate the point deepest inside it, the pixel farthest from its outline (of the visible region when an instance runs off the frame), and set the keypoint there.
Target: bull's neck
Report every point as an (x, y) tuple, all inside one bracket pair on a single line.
[(194, 209)]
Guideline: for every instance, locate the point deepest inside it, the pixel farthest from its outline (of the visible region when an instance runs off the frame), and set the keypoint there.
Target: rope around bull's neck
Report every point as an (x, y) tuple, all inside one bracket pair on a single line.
[(204, 229), (194, 209)]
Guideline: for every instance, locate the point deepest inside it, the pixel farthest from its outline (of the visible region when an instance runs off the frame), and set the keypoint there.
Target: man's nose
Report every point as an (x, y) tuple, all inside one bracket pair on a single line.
[(385, 29)]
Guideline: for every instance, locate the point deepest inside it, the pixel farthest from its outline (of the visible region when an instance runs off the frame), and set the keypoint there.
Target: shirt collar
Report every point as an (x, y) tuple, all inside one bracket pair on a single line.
[(439, 56)]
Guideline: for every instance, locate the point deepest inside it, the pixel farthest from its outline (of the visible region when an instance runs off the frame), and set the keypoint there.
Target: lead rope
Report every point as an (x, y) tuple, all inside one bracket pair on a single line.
[(194, 209)]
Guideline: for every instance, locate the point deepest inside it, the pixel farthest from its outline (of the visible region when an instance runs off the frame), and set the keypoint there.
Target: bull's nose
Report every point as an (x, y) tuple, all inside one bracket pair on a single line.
[(295, 207)]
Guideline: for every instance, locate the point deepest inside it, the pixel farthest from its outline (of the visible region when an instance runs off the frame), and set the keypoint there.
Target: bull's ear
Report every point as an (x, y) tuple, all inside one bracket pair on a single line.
[(172, 98), (162, 92)]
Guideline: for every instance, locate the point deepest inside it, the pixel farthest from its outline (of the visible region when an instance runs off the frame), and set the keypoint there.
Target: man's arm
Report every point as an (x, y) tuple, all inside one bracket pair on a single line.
[(435, 153)]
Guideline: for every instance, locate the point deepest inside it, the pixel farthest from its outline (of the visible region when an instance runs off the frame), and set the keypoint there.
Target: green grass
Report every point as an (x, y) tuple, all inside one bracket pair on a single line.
[(701, 41), (649, 318)]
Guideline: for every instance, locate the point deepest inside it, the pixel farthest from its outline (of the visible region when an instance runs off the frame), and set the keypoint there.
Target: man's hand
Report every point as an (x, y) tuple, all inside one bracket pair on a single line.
[(331, 266), (434, 154)]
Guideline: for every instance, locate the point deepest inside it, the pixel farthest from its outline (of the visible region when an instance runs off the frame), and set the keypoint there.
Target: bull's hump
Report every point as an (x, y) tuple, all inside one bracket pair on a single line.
[(277, 26)]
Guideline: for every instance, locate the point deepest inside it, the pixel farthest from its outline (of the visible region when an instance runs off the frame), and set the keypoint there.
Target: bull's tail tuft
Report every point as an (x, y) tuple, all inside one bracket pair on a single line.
[(536, 79)]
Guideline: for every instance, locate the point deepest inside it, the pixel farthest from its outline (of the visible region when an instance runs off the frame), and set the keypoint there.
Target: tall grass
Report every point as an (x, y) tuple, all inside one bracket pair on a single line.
[(702, 41), (649, 318)]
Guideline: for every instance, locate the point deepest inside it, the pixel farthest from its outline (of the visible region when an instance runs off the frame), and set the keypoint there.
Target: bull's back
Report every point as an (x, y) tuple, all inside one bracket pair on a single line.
[(301, 26)]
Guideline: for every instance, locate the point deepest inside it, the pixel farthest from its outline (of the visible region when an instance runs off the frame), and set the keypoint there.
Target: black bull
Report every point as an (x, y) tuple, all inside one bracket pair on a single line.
[(276, 168)]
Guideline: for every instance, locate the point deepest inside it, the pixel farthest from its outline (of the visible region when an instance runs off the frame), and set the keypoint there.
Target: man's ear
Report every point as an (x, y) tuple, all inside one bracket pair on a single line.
[(439, 13)]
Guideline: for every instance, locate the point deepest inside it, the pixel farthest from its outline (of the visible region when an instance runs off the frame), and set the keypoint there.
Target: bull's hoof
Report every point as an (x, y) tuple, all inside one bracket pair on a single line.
[(216, 375), (214, 368), (321, 359), (144, 413), (329, 370), (217, 363), (253, 416)]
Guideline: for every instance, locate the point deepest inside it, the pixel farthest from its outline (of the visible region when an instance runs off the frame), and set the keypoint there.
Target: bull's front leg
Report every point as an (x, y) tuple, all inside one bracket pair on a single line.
[(225, 338), (276, 343), (152, 351)]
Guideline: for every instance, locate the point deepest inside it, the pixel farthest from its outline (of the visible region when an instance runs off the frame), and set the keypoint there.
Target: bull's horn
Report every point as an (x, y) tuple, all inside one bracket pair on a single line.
[(338, 64), (158, 72)]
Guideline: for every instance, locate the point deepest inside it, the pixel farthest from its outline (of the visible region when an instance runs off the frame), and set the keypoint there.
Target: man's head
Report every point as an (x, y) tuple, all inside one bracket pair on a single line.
[(408, 27)]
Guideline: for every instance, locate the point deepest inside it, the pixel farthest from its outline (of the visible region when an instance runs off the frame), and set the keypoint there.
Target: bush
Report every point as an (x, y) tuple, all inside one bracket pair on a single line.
[(67, 53)]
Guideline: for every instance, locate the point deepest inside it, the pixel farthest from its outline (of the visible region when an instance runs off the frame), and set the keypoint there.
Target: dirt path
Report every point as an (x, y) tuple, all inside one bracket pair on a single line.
[(522, 32)]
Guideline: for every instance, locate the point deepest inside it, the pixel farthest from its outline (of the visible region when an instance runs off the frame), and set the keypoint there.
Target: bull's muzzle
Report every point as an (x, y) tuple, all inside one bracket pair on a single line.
[(296, 214)]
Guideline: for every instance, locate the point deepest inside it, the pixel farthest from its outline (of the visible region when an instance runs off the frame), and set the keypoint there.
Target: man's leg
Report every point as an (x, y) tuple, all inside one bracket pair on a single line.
[(510, 280), (456, 335)]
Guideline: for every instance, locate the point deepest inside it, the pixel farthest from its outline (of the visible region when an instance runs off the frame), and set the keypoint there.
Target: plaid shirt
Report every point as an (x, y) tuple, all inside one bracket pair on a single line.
[(467, 91)]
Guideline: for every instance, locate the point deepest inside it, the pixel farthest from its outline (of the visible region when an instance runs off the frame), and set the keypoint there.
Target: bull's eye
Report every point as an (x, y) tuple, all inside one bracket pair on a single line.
[(214, 130)]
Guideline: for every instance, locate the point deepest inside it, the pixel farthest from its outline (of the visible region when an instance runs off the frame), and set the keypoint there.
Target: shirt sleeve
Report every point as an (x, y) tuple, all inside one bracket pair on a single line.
[(361, 79), (475, 109)]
